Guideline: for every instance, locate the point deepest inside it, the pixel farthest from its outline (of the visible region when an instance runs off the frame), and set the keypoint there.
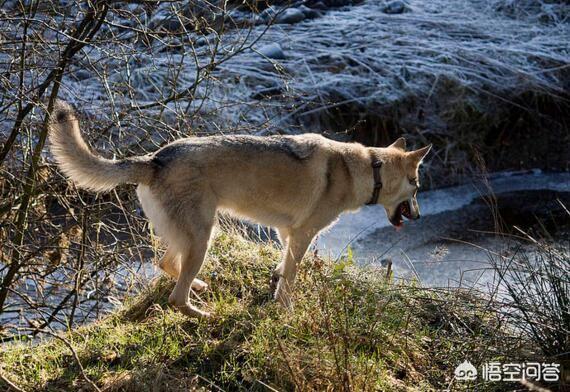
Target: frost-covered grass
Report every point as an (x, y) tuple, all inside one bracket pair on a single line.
[(350, 329), (455, 73)]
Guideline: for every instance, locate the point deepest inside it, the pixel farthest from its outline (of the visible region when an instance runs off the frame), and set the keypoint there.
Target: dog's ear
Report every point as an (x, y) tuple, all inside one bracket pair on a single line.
[(418, 155), (400, 144)]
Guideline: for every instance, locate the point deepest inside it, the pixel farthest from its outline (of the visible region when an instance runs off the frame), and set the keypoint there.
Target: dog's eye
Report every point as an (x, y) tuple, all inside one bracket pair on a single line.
[(414, 182)]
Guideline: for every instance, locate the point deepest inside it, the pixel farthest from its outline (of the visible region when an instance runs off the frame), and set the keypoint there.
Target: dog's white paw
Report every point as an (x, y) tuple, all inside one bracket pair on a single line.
[(199, 285), (187, 309), (192, 311)]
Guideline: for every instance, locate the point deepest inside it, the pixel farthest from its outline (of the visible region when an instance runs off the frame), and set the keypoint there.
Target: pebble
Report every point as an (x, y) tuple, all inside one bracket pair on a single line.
[(10, 5), (272, 51), (290, 16), (338, 3), (267, 92), (396, 7), (167, 23), (319, 5), (309, 13), (82, 74), (268, 14)]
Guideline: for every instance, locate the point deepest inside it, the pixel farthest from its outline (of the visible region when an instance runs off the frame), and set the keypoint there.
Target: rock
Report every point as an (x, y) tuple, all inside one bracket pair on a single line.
[(290, 16), (139, 60), (167, 23), (201, 41), (175, 46), (386, 262), (82, 74), (309, 13), (338, 3), (267, 15), (319, 5), (10, 5), (172, 24), (272, 51), (396, 7), (239, 18)]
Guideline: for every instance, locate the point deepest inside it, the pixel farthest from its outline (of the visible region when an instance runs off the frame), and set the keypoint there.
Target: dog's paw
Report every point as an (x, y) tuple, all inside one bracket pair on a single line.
[(188, 309), (192, 311), (199, 285)]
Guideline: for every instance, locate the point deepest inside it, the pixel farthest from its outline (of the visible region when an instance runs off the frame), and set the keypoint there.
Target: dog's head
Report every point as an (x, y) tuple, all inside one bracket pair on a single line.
[(400, 181)]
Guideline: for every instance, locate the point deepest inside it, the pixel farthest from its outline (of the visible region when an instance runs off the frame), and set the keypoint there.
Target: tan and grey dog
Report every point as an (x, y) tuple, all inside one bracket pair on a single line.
[(296, 184)]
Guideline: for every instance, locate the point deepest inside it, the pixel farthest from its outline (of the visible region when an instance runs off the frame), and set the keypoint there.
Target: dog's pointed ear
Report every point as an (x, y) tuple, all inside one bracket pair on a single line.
[(418, 155), (400, 144)]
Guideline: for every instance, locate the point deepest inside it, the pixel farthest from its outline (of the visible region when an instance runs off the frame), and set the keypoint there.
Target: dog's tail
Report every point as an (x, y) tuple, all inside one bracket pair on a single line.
[(86, 169)]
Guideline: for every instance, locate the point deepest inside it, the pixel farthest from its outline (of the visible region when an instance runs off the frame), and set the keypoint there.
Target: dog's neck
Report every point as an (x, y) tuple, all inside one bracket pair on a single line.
[(360, 160)]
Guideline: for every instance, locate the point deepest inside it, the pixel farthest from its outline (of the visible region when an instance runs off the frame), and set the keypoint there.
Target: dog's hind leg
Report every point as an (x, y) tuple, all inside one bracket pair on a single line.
[(195, 229), (170, 263), (154, 209)]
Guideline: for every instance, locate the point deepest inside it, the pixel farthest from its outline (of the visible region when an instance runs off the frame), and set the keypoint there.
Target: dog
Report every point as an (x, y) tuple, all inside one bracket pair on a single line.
[(297, 184)]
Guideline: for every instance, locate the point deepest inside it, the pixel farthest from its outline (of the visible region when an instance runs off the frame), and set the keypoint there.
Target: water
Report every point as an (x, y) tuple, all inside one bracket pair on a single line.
[(101, 295)]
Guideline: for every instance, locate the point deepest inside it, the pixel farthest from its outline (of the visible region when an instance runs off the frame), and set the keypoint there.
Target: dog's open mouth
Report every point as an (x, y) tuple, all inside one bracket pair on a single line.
[(403, 210)]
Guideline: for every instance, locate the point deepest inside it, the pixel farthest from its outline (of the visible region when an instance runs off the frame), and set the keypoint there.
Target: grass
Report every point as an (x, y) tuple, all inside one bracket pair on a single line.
[(538, 288), (351, 329)]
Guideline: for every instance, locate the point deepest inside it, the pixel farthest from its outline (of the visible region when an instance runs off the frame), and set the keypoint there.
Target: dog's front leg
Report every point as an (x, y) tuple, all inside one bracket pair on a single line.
[(283, 235), (297, 245)]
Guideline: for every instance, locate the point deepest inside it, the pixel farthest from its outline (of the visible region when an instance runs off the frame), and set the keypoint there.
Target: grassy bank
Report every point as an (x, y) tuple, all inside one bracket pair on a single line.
[(351, 329)]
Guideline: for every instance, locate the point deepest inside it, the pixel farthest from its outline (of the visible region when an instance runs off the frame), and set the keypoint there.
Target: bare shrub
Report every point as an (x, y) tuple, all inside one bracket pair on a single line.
[(141, 74)]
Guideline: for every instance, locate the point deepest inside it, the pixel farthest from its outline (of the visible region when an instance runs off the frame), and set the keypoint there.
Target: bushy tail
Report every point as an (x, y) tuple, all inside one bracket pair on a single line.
[(77, 161)]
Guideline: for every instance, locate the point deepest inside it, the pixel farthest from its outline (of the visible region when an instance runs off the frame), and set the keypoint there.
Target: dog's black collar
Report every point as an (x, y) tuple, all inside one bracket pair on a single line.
[(376, 165)]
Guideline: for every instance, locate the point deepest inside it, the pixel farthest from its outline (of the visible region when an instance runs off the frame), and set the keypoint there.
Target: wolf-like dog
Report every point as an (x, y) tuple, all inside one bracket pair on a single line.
[(297, 184)]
